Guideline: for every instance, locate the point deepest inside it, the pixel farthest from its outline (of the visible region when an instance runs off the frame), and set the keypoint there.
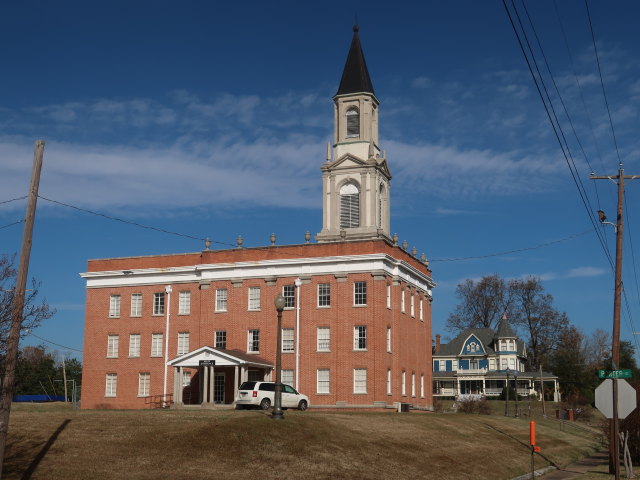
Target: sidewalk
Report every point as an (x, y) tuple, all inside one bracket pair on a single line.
[(580, 468)]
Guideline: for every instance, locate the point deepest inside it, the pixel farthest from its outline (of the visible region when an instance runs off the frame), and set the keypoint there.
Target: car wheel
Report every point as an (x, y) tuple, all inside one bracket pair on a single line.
[(302, 405), (265, 404)]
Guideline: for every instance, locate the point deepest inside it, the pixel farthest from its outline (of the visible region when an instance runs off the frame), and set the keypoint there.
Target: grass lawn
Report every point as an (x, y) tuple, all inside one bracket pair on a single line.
[(55, 442)]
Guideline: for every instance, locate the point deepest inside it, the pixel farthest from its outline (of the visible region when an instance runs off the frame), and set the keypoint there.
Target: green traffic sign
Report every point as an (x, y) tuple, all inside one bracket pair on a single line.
[(614, 373)]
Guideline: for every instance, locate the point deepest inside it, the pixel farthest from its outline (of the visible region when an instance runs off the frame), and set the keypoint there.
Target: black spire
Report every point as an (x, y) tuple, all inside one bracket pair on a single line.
[(355, 77)]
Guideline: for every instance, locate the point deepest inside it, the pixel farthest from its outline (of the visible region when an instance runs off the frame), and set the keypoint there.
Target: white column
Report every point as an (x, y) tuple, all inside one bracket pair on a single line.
[(235, 383), (211, 383)]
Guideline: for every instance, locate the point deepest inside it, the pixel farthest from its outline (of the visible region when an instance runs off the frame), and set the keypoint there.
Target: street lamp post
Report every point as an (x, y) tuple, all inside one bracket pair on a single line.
[(277, 400), (506, 405)]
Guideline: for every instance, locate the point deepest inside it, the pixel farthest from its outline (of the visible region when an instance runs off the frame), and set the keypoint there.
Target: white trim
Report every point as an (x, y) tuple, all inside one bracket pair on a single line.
[(261, 269)]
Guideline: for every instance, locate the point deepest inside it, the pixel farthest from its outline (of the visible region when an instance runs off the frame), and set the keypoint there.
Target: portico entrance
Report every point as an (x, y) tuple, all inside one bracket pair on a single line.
[(209, 376)]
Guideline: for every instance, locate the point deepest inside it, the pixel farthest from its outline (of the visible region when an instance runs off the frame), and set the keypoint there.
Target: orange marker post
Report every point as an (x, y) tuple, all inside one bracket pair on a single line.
[(534, 448)]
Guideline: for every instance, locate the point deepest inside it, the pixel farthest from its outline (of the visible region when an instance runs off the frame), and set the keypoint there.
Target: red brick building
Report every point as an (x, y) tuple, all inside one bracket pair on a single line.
[(190, 328)]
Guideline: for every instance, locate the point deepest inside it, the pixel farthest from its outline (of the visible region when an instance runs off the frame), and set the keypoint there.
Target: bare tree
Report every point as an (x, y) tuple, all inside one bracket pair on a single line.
[(33, 314), (482, 303), (597, 349), (534, 314)]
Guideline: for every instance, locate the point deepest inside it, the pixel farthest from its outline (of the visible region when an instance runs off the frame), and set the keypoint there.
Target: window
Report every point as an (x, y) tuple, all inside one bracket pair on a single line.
[(183, 343), (512, 363), (221, 339), (421, 311), (421, 386), (134, 345), (136, 304), (404, 383), (221, 300), (360, 293), (413, 384), (349, 206), (184, 303), (254, 299), (359, 380), (324, 339), (492, 365), (388, 296), (413, 306), (286, 377), (114, 306), (388, 381), (112, 346), (353, 122), (287, 340), (455, 365), (253, 341), (111, 386), (504, 364), (324, 295), (156, 344), (360, 337), (186, 378), (323, 381), (402, 301), (158, 303), (144, 382), (288, 292), (389, 339)]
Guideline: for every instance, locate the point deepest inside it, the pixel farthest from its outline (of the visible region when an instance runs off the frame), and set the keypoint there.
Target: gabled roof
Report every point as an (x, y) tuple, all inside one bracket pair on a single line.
[(355, 77), (221, 357), (454, 347)]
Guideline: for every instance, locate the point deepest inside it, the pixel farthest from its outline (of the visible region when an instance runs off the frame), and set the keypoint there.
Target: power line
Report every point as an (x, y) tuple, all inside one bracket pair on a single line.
[(546, 244), (13, 200), (11, 224), (54, 343)]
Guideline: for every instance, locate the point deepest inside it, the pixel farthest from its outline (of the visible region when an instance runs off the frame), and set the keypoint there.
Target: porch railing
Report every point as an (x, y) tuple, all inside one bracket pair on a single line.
[(159, 401)]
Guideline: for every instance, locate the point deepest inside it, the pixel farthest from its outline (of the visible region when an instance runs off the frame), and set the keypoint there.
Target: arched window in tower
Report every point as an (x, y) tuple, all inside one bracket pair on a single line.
[(353, 122), (381, 193), (349, 206)]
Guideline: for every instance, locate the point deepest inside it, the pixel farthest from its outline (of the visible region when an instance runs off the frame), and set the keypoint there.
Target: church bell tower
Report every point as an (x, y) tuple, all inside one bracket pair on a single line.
[(355, 176)]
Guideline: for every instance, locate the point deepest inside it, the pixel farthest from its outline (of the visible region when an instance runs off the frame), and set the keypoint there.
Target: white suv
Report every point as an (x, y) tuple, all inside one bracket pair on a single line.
[(260, 394)]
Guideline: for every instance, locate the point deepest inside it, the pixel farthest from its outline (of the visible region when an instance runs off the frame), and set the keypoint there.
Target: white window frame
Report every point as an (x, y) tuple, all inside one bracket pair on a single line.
[(404, 384), (349, 206), (183, 343), (136, 304), (359, 380), (222, 299), (288, 342), (389, 297), (360, 338), (144, 384), (220, 337), (323, 381), (421, 385), (111, 385), (287, 376), (186, 378), (352, 120), (413, 305), (388, 339), (324, 295), (413, 384), (289, 294), (253, 341), (253, 295), (158, 304), (360, 293), (112, 346), (184, 302), (402, 301), (134, 345), (323, 339), (389, 385), (114, 306), (157, 344), (421, 310)]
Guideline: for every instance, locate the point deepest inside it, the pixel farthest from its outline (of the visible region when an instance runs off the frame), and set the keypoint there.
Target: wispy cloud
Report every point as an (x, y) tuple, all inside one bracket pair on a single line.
[(581, 272)]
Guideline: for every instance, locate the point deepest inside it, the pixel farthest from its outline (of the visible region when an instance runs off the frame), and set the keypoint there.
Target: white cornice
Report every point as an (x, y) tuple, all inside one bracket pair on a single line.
[(289, 267)]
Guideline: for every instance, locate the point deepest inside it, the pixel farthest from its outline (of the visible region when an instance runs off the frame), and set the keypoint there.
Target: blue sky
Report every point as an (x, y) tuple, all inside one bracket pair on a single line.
[(211, 119)]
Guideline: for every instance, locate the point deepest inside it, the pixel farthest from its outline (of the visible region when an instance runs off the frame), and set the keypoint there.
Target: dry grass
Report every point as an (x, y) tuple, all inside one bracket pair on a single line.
[(53, 442)]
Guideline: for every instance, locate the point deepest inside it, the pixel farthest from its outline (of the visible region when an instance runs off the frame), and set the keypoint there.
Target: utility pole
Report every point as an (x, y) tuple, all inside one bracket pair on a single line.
[(6, 395), (614, 445), (64, 377)]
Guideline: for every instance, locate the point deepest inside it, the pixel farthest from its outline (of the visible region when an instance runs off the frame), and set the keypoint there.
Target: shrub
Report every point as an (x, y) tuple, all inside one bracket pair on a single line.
[(474, 405)]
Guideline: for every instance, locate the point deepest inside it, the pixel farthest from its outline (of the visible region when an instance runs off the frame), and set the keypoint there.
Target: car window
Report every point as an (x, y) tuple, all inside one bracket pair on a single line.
[(288, 389), (267, 387), (247, 386)]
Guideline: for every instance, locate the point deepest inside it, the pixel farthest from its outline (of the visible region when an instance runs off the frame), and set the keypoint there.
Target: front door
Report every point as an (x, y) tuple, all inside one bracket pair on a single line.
[(218, 388)]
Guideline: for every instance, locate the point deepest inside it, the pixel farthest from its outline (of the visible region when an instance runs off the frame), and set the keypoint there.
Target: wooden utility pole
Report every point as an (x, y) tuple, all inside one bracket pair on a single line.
[(64, 379), (6, 395), (614, 444)]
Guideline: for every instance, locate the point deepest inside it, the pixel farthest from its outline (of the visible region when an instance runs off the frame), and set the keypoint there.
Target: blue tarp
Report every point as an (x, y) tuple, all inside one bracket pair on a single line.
[(38, 398)]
